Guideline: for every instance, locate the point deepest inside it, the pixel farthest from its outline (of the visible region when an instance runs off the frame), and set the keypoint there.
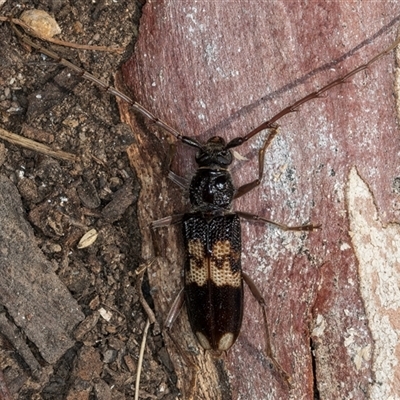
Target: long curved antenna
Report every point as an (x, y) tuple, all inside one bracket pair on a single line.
[(110, 89), (185, 139), (295, 106)]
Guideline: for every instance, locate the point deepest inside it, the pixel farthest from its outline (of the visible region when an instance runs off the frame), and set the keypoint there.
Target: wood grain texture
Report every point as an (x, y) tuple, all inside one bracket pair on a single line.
[(219, 68), (35, 298)]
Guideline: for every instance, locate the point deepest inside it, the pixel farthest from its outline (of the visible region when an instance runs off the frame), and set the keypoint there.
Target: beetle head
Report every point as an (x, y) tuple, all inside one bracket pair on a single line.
[(214, 153)]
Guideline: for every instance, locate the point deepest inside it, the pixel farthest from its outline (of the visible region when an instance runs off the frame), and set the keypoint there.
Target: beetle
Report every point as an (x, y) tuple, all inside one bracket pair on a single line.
[(216, 250), (213, 277)]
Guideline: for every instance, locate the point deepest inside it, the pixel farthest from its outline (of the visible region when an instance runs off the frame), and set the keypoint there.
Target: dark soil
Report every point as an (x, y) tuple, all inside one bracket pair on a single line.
[(62, 201)]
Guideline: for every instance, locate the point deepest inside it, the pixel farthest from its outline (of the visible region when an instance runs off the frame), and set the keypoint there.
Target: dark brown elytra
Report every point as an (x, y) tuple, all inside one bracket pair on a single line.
[(237, 141)]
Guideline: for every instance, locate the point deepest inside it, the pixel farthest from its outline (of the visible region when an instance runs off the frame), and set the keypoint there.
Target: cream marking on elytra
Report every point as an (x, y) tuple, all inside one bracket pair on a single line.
[(217, 267)]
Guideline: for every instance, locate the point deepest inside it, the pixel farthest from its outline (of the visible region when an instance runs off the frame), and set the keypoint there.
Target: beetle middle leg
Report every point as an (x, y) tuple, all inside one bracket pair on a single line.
[(255, 217)]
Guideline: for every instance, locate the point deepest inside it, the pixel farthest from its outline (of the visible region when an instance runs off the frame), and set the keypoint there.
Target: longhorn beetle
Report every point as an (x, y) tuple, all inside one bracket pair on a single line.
[(213, 278)]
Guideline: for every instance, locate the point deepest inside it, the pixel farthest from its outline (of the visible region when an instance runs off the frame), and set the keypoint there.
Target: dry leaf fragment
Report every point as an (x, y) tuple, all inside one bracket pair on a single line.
[(88, 239)]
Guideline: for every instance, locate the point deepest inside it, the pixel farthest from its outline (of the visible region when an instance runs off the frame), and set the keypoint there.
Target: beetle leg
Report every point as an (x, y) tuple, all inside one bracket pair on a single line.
[(161, 223), (242, 190), (182, 182), (179, 180), (175, 310), (268, 349), (176, 307), (171, 317), (167, 221), (169, 321), (254, 217), (142, 268)]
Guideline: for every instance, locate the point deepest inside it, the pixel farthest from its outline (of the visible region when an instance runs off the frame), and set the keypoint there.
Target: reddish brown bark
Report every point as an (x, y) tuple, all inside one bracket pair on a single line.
[(216, 68)]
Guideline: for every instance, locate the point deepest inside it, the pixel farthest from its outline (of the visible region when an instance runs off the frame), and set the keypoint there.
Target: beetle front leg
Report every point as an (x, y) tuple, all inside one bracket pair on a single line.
[(242, 190)]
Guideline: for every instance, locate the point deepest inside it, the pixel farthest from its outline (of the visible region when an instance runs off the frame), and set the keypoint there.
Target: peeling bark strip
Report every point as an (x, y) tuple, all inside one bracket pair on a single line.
[(33, 295), (377, 249), (209, 68)]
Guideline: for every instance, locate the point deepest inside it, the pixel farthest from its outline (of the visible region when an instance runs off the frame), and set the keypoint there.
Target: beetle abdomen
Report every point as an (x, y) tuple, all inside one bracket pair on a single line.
[(213, 278)]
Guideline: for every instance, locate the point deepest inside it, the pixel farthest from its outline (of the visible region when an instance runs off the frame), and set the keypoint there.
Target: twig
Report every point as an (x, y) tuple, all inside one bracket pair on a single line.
[(36, 146), (59, 42), (143, 302), (140, 362)]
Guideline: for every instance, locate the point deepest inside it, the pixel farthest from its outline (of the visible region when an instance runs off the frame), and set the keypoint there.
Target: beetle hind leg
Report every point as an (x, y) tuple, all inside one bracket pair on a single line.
[(171, 317), (268, 349)]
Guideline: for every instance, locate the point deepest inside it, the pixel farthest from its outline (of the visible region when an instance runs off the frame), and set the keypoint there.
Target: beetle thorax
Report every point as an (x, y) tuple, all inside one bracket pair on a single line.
[(211, 190)]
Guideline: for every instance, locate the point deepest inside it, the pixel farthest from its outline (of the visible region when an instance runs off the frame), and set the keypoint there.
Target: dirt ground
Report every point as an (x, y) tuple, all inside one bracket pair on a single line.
[(62, 200)]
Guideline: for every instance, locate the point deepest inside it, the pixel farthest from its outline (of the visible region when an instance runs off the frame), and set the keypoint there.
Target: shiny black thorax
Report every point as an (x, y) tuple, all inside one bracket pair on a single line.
[(212, 239), (211, 190)]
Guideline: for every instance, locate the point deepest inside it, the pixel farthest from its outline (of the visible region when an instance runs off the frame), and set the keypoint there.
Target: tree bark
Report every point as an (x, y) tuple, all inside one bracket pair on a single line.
[(218, 68)]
